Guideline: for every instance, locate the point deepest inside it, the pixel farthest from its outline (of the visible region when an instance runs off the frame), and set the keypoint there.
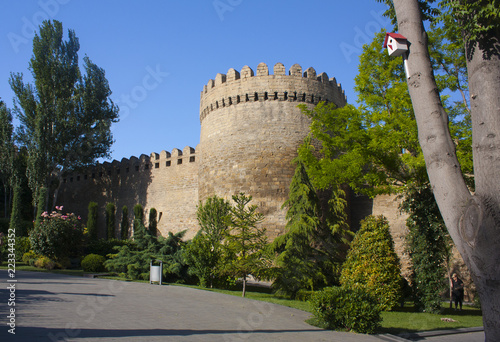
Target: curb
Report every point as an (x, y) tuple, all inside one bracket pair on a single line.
[(416, 336)]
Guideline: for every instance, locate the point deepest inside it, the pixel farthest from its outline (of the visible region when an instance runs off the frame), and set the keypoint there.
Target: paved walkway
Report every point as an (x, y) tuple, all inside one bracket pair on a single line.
[(51, 307)]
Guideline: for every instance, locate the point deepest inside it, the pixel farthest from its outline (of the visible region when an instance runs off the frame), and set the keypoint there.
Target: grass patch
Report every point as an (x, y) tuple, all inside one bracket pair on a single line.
[(406, 320)]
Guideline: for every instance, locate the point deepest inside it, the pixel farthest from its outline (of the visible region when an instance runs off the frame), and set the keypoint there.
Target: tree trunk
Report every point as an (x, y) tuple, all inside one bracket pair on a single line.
[(473, 221), (244, 285)]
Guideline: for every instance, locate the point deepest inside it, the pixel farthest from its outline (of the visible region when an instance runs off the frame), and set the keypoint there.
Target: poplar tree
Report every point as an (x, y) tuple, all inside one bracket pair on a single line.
[(65, 115), (6, 153)]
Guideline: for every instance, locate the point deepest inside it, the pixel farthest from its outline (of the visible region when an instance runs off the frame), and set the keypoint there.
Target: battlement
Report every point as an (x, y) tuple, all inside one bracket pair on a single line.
[(153, 162), (236, 87)]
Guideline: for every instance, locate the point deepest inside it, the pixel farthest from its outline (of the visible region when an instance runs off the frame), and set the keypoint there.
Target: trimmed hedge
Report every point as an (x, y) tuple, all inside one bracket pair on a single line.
[(93, 263), (350, 309)]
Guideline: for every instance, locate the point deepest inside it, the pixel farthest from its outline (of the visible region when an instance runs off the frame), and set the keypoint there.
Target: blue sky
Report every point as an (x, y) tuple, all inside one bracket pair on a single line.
[(158, 54)]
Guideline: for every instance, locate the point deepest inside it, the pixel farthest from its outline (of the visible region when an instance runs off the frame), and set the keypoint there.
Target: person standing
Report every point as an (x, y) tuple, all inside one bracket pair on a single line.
[(457, 290)]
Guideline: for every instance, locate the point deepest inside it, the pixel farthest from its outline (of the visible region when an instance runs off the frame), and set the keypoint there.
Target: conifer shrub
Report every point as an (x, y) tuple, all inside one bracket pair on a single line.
[(93, 263), (351, 309), (124, 225), (153, 223), (138, 217), (92, 221), (372, 263), (110, 220)]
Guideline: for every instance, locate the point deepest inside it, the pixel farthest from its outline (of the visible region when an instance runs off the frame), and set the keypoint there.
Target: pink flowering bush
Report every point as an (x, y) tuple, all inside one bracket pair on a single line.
[(58, 235)]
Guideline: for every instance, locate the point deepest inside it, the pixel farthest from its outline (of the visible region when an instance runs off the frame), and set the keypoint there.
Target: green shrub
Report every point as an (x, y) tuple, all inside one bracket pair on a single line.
[(30, 258), (93, 263), (152, 221), (304, 295), (372, 264), (124, 225), (57, 236), (110, 220), (23, 246), (138, 217), (352, 309), (45, 262), (103, 247), (92, 221)]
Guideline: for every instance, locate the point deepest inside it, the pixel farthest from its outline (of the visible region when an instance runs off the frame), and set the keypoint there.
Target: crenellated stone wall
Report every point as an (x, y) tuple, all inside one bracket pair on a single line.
[(166, 181)]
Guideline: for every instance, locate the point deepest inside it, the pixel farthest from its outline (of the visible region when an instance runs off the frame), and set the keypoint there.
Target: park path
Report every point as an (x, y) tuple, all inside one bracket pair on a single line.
[(53, 307)]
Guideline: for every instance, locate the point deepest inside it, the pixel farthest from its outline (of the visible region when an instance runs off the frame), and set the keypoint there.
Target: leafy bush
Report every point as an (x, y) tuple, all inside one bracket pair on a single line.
[(57, 236), (45, 262), (372, 264), (93, 263), (30, 258), (347, 308)]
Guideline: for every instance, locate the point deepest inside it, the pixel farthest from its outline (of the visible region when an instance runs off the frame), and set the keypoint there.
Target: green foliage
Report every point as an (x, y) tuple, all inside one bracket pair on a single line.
[(103, 247), (66, 115), (30, 257), (153, 223), (352, 309), (92, 221), (138, 216), (6, 153), (40, 204), (133, 259), (246, 240), (124, 225), (93, 263), (57, 236), (429, 246), (205, 253), (23, 245), (310, 252), (372, 263), (110, 220), (16, 219), (45, 262), (479, 21)]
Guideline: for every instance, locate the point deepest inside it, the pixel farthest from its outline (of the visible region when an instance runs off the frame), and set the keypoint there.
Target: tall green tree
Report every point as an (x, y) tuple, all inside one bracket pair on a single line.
[(246, 239), (110, 220), (429, 246), (92, 221), (310, 252), (153, 222), (124, 224), (205, 253), (471, 218), (6, 153), (65, 115), (138, 216), (374, 148)]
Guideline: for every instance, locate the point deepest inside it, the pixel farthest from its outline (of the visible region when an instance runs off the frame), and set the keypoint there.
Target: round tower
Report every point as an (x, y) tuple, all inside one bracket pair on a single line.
[(251, 129)]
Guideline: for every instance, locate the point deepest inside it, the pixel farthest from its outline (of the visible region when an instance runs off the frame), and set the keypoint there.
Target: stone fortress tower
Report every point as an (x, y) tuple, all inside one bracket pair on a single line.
[(251, 129)]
